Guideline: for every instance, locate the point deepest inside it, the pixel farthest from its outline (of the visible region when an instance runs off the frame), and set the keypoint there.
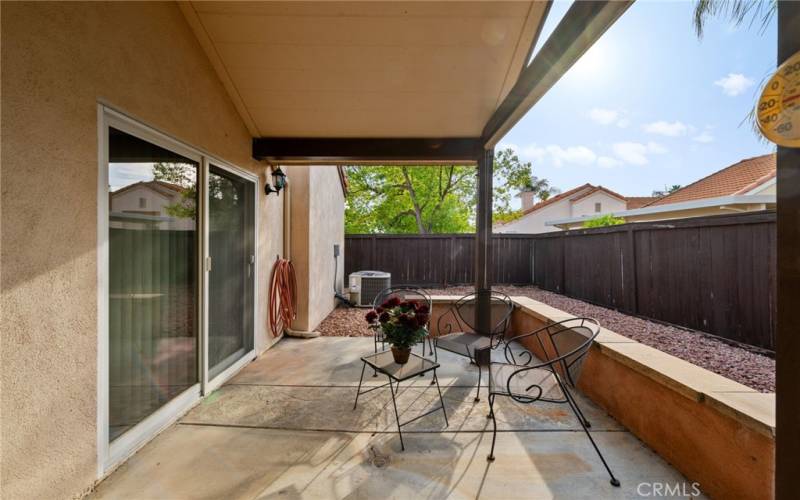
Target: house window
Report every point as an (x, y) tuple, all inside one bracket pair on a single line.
[(598, 207), (142, 202)]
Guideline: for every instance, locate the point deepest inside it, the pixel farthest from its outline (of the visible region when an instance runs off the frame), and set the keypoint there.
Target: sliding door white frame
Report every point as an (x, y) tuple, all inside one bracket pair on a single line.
[(109, 455), (210, 385)]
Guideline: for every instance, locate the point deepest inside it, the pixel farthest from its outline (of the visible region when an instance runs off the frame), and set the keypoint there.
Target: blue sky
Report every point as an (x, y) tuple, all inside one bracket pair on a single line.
[(650, 104)]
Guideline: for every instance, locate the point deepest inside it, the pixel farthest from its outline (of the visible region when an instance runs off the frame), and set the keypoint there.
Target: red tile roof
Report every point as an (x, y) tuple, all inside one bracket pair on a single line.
[(596, 189), (639, 201), (558, 197), (739, 178), (548, 201)]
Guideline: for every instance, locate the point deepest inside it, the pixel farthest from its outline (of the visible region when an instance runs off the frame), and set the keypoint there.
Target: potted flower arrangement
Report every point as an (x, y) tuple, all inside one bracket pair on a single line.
[(403, 323)]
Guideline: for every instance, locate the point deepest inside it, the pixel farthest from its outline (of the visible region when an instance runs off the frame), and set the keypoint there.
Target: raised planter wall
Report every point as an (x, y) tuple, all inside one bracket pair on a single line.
[(716, 432)]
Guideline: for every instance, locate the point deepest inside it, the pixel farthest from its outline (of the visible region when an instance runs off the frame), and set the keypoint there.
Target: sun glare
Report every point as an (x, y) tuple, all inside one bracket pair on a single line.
[(595, 64)]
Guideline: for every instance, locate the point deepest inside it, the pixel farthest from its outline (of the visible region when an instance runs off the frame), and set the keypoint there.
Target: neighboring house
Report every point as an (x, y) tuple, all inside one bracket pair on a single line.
[(585, 202), (144, 205), (745, 186)]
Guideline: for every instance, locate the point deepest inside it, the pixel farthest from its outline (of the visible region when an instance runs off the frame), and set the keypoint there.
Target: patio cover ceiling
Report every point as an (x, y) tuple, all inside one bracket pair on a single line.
[(367, 69)]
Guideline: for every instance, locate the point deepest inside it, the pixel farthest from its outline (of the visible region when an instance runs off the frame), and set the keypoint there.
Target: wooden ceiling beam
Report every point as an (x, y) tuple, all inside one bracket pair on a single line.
[(288, 150)]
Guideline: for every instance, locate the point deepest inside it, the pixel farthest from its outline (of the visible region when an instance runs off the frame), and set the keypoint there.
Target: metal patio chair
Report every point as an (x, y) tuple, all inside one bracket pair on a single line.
[(457, 332), (403, 292), (546, 371)]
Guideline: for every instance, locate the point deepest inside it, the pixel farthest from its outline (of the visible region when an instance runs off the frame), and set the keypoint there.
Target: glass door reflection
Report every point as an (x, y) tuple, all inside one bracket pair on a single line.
[(232, 274), (153, 248)]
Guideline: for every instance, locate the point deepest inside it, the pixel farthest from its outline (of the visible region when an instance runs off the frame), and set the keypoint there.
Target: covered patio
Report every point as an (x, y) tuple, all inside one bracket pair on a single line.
[(258, 86), (285, 427)]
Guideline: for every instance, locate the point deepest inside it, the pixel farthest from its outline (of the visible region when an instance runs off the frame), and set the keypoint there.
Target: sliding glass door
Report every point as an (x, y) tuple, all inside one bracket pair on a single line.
[(153, 279), (231, 276), (176, 278)]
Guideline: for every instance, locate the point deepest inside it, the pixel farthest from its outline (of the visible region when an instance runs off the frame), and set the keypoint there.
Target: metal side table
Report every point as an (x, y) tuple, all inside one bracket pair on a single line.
[(383, 362)]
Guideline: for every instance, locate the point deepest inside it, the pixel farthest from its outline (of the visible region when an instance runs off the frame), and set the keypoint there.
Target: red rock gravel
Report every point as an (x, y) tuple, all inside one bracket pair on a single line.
[(737, 363)]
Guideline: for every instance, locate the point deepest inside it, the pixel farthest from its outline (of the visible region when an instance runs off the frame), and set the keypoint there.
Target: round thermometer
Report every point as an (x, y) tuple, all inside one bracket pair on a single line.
[(778, 108)]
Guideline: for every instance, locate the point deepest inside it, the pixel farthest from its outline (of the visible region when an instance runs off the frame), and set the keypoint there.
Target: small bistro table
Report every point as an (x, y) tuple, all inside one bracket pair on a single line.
[(383, 362)]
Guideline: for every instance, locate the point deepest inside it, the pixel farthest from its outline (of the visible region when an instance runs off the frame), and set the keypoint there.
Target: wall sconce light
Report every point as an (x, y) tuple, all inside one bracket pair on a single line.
[(278, 182)]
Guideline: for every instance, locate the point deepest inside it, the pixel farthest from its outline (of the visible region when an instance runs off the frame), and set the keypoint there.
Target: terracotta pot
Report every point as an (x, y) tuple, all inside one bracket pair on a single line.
[(401, 354)]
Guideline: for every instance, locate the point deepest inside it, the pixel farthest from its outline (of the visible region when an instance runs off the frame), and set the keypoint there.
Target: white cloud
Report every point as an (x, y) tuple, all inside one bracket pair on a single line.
[(608, 162), (656, 148), (704, 137), (734, 84), (507, 145), (558, 156), (609, 117), (603, 116), (636, 153), (674, 129)]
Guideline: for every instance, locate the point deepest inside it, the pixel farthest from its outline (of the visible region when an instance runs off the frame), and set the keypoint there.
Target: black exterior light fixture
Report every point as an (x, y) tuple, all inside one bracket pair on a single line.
[(278, 182)]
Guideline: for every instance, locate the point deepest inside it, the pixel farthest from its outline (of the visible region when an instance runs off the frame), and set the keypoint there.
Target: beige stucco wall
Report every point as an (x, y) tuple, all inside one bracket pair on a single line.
[(327, 229), (608, 203), (535, 222), (317, 223), (58, 60)]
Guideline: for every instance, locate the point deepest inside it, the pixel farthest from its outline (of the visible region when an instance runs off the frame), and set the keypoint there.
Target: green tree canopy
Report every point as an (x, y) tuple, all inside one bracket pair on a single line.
[(431, 199), (604, 221)]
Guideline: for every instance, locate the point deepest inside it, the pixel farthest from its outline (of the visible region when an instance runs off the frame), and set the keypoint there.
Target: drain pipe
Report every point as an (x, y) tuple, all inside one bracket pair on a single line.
[(287, 251)]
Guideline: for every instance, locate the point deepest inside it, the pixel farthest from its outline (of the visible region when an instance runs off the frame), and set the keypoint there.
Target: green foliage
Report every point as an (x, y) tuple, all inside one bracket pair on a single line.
[(431, 199), (225, 196), (185, 176), (604, 221), (736, 11), (421, 200)]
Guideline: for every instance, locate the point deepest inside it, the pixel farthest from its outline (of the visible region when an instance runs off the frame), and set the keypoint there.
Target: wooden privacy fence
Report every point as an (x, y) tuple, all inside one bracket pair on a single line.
[(715, 274)]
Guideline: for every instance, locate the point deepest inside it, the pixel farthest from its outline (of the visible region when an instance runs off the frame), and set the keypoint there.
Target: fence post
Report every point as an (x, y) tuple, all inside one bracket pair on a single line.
[(562, 288), (630, 271)]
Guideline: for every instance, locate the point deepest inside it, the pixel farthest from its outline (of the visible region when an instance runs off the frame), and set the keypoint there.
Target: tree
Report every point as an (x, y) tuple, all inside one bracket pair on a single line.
[(667, 190), (736, 11), (604, 221), (429, 199), (422, 200), (185, 176), (224, 196)]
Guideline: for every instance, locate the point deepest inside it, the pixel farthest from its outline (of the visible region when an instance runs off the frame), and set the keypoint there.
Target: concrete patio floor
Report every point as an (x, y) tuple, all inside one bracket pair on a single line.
[(285, 427)]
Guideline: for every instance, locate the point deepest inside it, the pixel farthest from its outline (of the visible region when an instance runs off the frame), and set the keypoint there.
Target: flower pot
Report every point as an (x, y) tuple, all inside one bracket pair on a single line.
[(401, 354)]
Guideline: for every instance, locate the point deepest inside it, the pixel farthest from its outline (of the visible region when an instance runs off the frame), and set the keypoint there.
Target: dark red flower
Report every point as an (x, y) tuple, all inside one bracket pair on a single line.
[(424, 309), (371, 317), (379, 309), (414, 305), (384, 317), (392, 302), (422, 318)]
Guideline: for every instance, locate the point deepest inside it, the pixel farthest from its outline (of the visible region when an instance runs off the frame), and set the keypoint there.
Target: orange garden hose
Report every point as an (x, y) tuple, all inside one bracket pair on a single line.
[(282, 296)]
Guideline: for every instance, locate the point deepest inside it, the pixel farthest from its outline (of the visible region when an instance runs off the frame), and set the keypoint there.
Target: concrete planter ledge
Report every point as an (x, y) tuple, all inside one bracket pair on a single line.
[(717, 432), (714, 430), (750, 407)]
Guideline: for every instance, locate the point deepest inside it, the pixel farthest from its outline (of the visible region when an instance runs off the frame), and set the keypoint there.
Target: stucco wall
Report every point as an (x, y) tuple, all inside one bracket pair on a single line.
[(58, 60), (585, 206), (317, 223), (327, 229), (535, 222)]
